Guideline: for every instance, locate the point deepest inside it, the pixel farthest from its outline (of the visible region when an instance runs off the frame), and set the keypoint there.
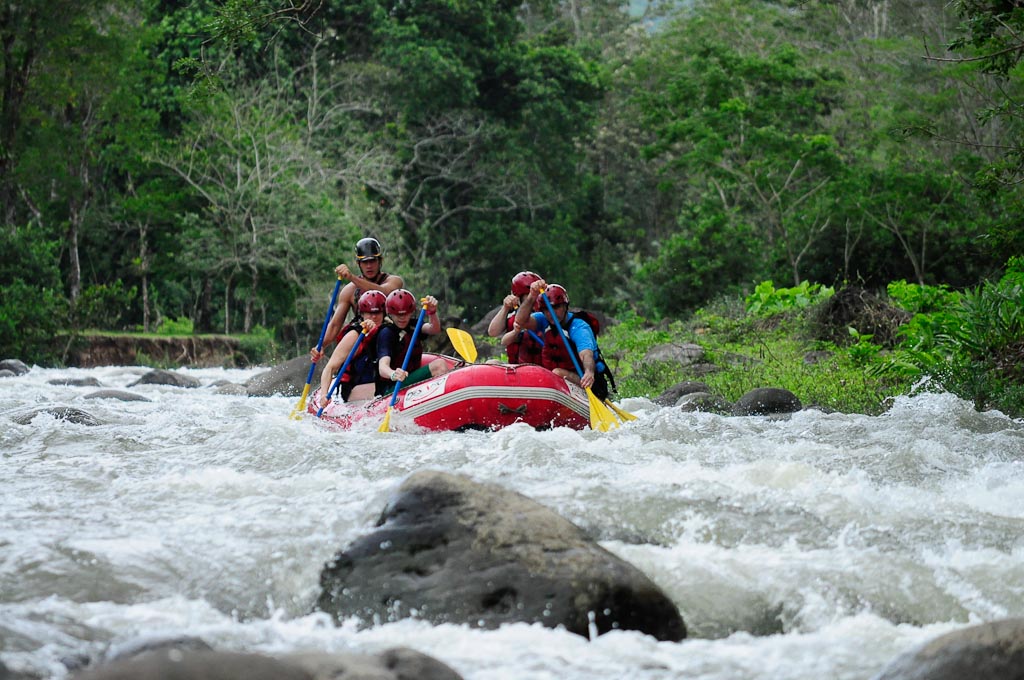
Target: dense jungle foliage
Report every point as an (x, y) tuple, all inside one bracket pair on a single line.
[(214, 160)]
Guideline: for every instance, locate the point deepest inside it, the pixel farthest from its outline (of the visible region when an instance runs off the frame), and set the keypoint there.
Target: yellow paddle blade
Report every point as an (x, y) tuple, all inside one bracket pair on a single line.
[(622, 413), (601, 419), (386, 425), (301, 406), (463, 344)]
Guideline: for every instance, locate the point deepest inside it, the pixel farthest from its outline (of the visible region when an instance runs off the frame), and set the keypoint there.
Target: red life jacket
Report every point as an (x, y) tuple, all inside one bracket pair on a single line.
[(524, 349), (555, 353)]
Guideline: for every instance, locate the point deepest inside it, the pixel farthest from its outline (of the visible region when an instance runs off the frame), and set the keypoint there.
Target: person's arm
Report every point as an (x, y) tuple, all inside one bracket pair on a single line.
[(337, 321), (583, 337), (432, 325), (497, 326), (392, 283), (386, 341), (334, 365)]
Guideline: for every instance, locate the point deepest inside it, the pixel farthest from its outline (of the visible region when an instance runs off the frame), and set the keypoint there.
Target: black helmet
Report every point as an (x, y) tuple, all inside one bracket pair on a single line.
[(368, 249)]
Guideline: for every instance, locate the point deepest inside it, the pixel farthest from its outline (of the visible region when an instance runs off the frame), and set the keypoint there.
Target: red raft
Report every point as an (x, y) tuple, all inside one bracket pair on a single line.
[(471, 397)]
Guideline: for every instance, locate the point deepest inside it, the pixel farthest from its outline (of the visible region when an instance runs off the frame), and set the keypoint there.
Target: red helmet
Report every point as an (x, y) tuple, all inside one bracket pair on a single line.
[(557, 295), (372, 301), (400, 301), (521, 283)]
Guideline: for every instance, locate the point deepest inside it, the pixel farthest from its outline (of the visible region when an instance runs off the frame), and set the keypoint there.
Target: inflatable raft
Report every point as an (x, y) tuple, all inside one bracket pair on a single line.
[(471, 397)]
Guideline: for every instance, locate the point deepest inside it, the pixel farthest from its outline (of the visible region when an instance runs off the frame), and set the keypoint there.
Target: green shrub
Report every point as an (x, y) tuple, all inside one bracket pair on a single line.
[(974, 349), (102, 306), (767, 300), (32, 307), (180, 326), (259, 346)]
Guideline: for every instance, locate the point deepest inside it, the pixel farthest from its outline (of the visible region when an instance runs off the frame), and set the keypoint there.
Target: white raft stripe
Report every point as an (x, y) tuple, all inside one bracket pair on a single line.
[(496, 392)]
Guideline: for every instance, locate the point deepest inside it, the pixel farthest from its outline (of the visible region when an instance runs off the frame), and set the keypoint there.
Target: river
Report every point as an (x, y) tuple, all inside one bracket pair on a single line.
[(815, 547)]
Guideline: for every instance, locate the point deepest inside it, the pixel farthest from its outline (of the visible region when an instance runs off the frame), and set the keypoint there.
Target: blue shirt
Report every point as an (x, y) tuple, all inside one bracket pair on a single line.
[(580, 332)]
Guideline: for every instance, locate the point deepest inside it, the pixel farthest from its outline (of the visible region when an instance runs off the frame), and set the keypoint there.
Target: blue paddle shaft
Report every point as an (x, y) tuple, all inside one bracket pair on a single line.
[(408, 353), (341, 371), (323, 330)]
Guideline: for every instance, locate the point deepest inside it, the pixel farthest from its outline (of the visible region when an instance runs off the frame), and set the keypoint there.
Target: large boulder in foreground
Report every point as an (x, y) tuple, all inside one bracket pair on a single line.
[(287, 379), (990, 651), (448, 549)]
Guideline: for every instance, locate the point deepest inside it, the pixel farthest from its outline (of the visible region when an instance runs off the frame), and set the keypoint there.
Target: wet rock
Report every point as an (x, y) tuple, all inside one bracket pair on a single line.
[(162, 377), (176, 664), (120, 395), (192, 659), (232, 389), (449, 549), (765, 401), (15, 366), (990, 651), (4, 373), (144, 645), (671, 396), (683, 354), (75, 382), (72, 415), (393, 664), (287, 379), (704, 402)]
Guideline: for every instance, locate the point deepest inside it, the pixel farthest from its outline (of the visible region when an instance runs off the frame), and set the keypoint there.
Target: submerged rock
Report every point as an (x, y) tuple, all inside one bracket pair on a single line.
[(15, 366), (120, 395), (72, 415), (448, 549), (161, 377), (189, 662)]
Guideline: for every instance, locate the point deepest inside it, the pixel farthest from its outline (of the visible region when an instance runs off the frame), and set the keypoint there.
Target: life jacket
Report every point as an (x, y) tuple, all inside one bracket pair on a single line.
[(362, 368), (527, 348), (556, 353)]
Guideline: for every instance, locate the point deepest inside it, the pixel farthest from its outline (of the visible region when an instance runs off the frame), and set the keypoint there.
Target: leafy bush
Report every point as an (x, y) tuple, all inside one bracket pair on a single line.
[(767, 300), (102, 306), (974, 349), (179, 326), (32, 307), (259, 346)]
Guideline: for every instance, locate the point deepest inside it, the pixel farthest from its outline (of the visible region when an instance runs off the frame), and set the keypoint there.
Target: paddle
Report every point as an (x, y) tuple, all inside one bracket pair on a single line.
[(341, 371), (386, 425), (301, 406), (463, 344), (600, 417)]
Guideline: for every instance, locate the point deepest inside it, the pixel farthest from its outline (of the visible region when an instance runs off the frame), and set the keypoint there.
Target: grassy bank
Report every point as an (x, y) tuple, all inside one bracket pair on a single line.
[(852, 352)]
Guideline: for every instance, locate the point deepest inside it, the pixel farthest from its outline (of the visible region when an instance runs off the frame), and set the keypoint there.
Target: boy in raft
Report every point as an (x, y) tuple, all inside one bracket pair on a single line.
[(393, 342)]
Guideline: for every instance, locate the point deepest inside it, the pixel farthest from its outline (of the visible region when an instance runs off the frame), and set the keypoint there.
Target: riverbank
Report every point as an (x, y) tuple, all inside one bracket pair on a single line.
[(90, 350)]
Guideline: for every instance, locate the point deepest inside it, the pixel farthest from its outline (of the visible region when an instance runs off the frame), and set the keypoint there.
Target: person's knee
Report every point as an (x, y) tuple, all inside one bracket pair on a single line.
[(438, 366)]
